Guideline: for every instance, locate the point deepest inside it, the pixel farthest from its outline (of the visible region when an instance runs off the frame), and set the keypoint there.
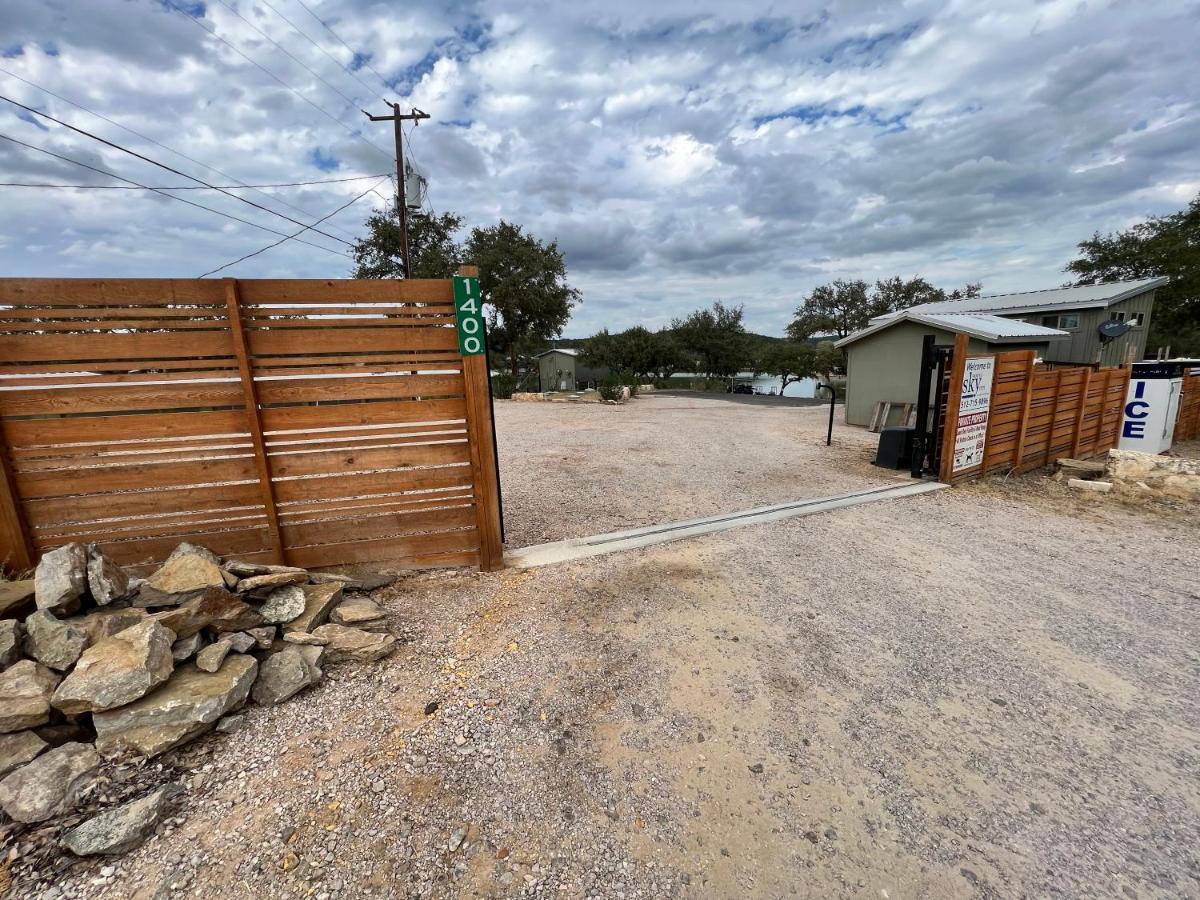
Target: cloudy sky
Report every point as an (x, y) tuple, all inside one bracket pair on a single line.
[(680, 152)]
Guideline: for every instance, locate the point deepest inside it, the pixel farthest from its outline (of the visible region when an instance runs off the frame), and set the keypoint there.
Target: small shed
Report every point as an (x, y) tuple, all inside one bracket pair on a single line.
[(883, 360), (562, 370)]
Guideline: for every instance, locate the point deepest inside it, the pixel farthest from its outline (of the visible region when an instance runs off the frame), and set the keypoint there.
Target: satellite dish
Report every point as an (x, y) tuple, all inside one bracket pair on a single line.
[(1111, 330)]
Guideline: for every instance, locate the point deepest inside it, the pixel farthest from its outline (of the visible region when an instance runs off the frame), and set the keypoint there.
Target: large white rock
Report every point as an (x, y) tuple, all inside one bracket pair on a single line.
[(283, 604), (49, 785), (188, 705), (60, 579), (118, 670), (25, 691)]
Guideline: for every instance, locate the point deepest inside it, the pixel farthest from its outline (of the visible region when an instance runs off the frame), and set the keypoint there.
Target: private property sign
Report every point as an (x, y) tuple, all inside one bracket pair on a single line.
[(975, 403), (468, 309)]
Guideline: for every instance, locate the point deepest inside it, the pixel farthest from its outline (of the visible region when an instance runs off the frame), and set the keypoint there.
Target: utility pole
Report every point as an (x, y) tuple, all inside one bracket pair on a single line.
[(402, 210)]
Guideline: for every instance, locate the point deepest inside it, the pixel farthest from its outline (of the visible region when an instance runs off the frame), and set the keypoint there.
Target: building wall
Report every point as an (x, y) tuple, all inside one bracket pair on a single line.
[(886, 366), (555, 368), (1084, 345)]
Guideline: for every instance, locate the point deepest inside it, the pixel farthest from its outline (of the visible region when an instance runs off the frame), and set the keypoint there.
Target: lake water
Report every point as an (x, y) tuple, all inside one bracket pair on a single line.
[(764, 384)]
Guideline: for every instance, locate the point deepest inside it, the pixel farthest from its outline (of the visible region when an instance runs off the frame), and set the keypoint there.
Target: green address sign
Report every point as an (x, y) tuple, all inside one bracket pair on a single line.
[(468, 308)]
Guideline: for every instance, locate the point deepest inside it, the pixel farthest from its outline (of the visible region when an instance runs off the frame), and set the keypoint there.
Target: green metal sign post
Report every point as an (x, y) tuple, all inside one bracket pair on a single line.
[(468, 309)]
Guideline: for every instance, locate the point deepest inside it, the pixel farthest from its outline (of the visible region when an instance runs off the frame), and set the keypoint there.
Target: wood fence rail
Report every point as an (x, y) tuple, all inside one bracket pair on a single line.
[(1187, 424), (1038, 414), (302, 421)]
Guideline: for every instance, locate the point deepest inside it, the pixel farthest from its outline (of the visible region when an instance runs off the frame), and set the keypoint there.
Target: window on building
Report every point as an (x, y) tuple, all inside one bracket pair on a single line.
[(1062, 321), (1116, 317), (1138, 319)]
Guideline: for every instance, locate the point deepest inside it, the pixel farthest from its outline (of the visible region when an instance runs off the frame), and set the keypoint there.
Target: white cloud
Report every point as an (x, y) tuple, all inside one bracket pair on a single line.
[(681, 153)]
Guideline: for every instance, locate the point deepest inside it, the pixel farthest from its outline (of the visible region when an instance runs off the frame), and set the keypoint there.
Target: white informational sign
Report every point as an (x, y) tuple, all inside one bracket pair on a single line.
[(1151, 408), (975, 402)]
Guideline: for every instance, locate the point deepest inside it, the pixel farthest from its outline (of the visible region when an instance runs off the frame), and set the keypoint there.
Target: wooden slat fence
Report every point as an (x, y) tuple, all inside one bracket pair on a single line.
[(1187, 424), (303, 421), (1039, 414)]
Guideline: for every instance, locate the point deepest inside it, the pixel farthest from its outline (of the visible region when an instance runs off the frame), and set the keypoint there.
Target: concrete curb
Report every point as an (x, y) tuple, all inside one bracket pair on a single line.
[(633, 538)]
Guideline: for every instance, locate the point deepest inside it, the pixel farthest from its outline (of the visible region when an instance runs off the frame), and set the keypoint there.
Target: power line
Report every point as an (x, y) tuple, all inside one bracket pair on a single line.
[(290, 236), (162, 192), (349, 100), (189, 187), (174, 171), (151, 140), (213, 32), (345, 68), (354, 53)]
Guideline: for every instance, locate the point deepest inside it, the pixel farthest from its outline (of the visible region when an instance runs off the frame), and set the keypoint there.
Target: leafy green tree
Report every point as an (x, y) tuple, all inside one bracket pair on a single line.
[(432, 251), (524, 286), (789, 361), (1162, 245), (829, 359), (839, 308), (844, 307), (669, 357), (715, 338), (634, 353)]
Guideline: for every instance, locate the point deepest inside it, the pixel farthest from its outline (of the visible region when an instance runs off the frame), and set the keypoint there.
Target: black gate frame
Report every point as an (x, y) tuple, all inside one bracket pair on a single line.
[(927, 439)]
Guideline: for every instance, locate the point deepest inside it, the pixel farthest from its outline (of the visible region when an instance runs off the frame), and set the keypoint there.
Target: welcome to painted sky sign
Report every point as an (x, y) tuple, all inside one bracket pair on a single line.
[(974, 405), (468, 314)]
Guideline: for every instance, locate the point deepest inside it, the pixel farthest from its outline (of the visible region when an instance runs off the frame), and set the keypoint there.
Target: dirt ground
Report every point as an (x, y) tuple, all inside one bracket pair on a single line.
[(973, 693)]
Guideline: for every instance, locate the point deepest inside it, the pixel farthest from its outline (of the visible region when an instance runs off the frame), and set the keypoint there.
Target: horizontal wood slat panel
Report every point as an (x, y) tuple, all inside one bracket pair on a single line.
[(418, 550), (378, 526), (362, 484), (112, 398), (110, 291), (240, 543), (329, 462), (297, 341), (140, 346), (60, 510), (292, 418), (123, 403), (103, 480), (401, 311), (366, 388), (107, 429), (258, 291)]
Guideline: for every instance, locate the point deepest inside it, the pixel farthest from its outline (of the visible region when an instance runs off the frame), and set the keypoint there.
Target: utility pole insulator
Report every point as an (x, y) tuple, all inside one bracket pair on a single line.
[(396, 118)]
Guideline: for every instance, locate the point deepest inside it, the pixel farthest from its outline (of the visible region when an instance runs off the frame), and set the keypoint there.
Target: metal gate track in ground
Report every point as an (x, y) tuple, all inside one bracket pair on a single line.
[(634, 538)]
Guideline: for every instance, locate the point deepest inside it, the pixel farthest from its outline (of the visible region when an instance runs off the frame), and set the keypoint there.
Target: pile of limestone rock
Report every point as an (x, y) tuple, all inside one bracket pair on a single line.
[(107, 665)]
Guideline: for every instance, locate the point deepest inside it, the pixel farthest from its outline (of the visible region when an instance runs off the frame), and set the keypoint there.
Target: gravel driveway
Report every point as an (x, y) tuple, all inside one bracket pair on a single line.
[(961, 694), (576, 469)]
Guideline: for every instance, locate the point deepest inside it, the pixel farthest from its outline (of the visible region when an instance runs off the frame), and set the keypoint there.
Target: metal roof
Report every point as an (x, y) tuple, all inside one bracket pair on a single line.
[(994, 329), (567, 350), (1082, 296)]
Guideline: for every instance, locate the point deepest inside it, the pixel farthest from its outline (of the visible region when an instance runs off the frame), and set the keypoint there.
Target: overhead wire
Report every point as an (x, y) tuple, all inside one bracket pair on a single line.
[(161, 165), (213, 32), (189, 187), (354, 53), (343, 66), (290, 236), (349, 100), (162, 192), (151, 140)]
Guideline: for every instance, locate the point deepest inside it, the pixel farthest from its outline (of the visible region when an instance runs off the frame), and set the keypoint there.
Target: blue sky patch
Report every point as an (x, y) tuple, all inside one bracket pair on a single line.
[(31, 119), (326, 162), (12, 51)]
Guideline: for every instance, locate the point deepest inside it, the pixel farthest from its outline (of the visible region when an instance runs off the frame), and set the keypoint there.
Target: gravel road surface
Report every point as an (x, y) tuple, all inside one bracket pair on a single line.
[(963, 694)]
